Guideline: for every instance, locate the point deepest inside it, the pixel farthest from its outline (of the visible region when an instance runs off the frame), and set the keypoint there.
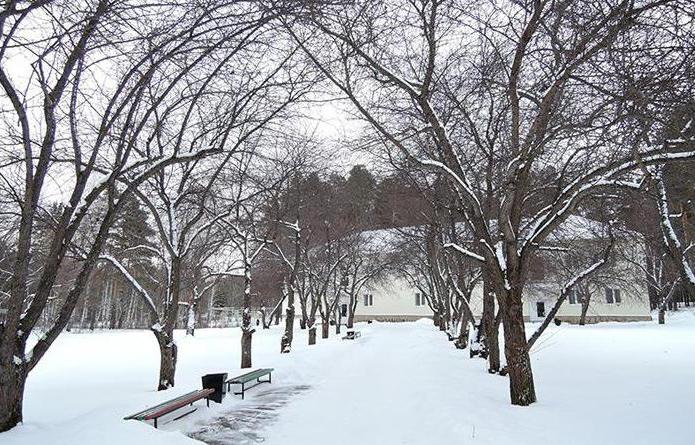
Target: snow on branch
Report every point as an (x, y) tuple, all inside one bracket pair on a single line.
[(134, 282), (670, 238), (605, 176), (465, 252)]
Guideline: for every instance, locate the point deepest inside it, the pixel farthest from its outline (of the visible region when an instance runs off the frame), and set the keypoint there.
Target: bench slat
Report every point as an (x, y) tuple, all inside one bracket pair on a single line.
[(249, 376), (179, 401), (148, 410), (201, 394)]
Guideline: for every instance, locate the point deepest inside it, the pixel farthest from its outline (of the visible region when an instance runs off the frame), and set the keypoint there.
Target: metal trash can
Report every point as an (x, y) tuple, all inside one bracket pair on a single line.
[(216, 382)]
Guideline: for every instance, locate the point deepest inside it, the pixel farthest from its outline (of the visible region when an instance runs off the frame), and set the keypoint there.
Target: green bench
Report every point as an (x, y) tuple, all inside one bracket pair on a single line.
[(249, 377), (172, 405)]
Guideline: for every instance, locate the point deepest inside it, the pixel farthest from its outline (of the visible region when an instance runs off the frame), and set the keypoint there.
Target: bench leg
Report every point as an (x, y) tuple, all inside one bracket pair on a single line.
[(155, 422), (258, 380), (207, 399), (242, 391)]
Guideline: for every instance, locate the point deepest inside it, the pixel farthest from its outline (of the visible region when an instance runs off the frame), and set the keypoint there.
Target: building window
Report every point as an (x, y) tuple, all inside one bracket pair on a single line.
[(613, 296), (573, 297), (343, 310), (420, 299), (369, 300)]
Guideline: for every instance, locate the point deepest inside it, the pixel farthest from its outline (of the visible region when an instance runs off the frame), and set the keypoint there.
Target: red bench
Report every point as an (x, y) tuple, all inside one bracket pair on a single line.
[(172, 405)]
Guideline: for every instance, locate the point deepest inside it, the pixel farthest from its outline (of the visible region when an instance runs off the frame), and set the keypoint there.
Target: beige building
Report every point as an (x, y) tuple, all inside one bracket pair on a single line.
[(617, 293), (395, 299)]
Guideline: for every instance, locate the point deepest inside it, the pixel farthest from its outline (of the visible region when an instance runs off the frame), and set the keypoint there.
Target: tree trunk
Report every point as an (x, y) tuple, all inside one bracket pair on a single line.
[(490, 330), (302, 323), (312, 333), (12, 380), (662, 315), (350, 316), (246, 336), (286, 341), (190, 319), (265, 321), (325, 326), (521, 386), (247, 329), (492, 342), (585, 308), (167, 359), (462, 339)]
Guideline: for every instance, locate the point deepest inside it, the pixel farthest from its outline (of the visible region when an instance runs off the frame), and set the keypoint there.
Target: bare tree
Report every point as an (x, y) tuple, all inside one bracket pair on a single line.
[(91, 131), (549, 58)]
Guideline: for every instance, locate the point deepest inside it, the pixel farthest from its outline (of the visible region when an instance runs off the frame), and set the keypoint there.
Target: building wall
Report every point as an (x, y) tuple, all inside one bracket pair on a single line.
[(394, 300)]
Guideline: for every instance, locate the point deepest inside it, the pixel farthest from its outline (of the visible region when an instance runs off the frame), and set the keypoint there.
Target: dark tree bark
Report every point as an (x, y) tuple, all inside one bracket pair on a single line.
[(338, 321), (12, 380), (521, 387), (586, 299), (325, 328), (490, 330), (286, 341), (246, 349)]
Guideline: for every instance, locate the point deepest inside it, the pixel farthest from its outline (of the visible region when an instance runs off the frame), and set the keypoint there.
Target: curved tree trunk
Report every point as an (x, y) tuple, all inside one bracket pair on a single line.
[(521, 385)]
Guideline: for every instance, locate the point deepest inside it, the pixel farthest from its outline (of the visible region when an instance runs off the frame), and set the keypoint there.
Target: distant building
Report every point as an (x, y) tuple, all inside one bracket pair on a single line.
[(617, 293)]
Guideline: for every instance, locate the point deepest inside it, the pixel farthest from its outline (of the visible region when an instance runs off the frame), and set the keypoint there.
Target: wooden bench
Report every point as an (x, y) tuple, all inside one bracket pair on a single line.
[(351, 335), (172, 405), (249, 377)]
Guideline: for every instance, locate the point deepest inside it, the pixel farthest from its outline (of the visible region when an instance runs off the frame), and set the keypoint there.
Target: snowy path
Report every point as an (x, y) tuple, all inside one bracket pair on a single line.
[(384, 391)]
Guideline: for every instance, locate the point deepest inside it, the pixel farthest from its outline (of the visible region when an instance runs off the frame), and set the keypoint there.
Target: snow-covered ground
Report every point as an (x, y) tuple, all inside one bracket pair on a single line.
[(398, 384)]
